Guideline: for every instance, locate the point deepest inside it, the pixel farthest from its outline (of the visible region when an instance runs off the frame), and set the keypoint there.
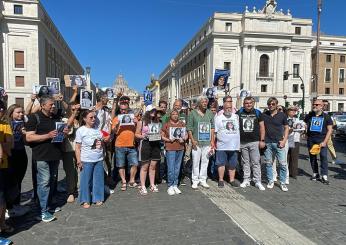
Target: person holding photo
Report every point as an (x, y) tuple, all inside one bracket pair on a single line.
[(86, 99), (89, 155), (174, 151), (18, 159), (149, 151)]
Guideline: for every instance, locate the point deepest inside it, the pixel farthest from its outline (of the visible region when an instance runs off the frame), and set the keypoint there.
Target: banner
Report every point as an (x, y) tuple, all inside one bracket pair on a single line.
[(79, 80), (221, 78)]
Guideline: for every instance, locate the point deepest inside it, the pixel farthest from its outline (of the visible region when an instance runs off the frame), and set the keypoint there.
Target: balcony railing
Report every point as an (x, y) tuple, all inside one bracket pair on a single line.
[(270, 76)]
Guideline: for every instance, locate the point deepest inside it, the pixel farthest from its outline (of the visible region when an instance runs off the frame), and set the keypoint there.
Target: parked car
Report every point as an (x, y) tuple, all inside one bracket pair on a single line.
[(340, 124)]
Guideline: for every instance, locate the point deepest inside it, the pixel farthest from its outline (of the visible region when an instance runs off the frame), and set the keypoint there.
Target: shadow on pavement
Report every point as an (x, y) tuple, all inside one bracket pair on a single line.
[(339, 172)]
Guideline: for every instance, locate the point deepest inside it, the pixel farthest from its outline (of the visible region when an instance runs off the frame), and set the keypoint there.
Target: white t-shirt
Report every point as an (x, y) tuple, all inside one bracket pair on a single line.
[(228, 135), (91, 141)]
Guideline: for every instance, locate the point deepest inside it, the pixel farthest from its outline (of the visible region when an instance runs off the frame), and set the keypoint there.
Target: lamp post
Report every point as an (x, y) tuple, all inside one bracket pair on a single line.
[(228, 92), (302, 87)]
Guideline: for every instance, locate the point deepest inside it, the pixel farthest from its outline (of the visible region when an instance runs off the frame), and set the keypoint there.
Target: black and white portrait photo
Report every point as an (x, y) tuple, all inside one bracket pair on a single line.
[(86, 98), (110, 93), (177, 133), (126, 119), (211, 93), (248, 124), (43, 90), (154, 132), (53, 84), (72, 80)]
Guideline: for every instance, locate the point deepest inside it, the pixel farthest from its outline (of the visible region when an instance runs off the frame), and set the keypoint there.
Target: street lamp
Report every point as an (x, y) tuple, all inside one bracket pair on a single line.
[(228, 91), (302, 87)]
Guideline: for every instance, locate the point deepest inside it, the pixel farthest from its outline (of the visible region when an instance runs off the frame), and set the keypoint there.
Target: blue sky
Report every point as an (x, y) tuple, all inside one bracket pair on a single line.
[(139, 37)]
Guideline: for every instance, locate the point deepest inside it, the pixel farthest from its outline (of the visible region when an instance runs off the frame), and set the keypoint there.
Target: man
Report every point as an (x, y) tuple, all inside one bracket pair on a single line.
[(125, 147), (276, 135), (163, 106), (227, 144), (202, 142), (252, 132), (225, 99), (330, 144), (40, 132), (177, 105), (319, 131), (103, 123)]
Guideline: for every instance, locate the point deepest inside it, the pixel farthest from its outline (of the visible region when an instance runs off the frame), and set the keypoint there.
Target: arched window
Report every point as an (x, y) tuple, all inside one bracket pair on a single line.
[(264, 66)]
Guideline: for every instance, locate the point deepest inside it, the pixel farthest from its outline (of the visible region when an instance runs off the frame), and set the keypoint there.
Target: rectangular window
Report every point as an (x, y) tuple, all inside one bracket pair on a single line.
[(227, 65), (327, 90), (328, 75), (18, 9), (341, 91), (295, 88), (263, 88), (228, 27), (341, 107), (19, 59), (20, 101), (298, 30), (328, 58), (341, 75), (332, 44), (296, 70), (342, 58), (19, 81)]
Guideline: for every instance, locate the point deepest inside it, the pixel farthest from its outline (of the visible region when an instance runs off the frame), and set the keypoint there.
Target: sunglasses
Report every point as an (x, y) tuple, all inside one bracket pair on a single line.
[(271, 104), (316, 104)]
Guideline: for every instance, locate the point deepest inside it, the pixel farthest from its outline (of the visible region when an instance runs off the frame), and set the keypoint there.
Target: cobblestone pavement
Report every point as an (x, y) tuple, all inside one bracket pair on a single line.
[(310, 210), (315, 210), (127, 218)]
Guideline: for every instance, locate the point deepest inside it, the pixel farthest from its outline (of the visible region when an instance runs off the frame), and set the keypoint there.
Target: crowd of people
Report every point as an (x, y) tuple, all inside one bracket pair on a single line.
[(103, 146)]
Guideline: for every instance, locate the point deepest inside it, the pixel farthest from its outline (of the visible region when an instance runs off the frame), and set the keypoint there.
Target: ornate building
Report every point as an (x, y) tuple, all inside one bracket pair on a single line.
[(121, 86), (257, 46)]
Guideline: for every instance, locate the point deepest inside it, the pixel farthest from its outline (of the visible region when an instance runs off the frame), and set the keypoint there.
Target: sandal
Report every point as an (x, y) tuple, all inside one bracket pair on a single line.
[(123, 187), (133, 185), (86, 205), (99, 203), (154, 188), (143, 191), (6, 229)]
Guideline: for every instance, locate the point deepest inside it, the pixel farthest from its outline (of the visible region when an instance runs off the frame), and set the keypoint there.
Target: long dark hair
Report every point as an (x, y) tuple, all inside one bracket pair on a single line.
[(83, 115), (147, 119)]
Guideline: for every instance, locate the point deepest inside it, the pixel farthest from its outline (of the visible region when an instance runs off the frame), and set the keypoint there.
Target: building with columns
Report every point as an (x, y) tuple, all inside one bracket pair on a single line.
[(120, 85), (257, 46), (31, 49), (332, 71)]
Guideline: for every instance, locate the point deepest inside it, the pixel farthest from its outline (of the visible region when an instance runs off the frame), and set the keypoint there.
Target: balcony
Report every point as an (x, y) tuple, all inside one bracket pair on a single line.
[(341, 80), (260, 77)]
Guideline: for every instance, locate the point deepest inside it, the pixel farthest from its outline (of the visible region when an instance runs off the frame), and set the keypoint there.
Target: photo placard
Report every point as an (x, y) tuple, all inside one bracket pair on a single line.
[(177, 133), (53, 84), (72, 80), (126, 119), (86, 99), (154, 132), (204, 131), (59, 126)]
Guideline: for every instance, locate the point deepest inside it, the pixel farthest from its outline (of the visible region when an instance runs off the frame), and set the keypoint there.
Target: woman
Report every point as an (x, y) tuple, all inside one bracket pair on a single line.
[(174, 152), (149, 152), (18, 159), (90, 155), (6, 193), (69, 160)]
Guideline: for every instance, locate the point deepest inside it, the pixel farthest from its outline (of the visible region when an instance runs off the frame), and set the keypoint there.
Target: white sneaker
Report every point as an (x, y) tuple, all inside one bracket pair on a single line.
[(287, 181), (270, 185), (245, 184), (194, 185), (176, 190), (171, 191), (18, 211), (260, 186), (283, 187), (205, 185)]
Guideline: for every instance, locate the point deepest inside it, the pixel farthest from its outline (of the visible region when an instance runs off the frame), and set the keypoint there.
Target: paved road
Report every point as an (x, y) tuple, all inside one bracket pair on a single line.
[(309, 212)]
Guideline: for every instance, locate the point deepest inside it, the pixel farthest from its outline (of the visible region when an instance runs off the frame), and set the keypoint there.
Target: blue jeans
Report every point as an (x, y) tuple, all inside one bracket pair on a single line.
[(270, 153), (47, 172), (174, 159), (323, 157), (92, 181)]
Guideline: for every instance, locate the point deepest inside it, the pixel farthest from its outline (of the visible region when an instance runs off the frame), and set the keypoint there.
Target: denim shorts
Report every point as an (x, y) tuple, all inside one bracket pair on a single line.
[(227, 158), (123, 153)]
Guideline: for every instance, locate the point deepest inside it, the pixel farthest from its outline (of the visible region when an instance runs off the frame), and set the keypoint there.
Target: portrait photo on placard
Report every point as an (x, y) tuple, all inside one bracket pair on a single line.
[(72, 80), (110, 93), (126, 119), (211, 92), (43, 90), (154, 133), (86, 98), (299, 125), (59, 126), (248, 124), (53, 84), (177, 133), (2, 92), (203, 131), (230, 126)]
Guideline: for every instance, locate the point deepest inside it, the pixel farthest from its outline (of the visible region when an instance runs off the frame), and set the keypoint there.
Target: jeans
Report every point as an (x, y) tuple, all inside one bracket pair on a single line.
[(47, 172), (200, 164), (274, 151), (250, 158), (174, 159), (92, 181), (323, 158), (125, 153)]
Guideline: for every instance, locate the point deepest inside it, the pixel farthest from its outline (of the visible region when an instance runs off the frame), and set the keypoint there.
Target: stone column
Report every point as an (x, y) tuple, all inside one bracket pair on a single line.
[(252, 72), (244, 66), (275, 71), (279, 72), (286, 68)]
